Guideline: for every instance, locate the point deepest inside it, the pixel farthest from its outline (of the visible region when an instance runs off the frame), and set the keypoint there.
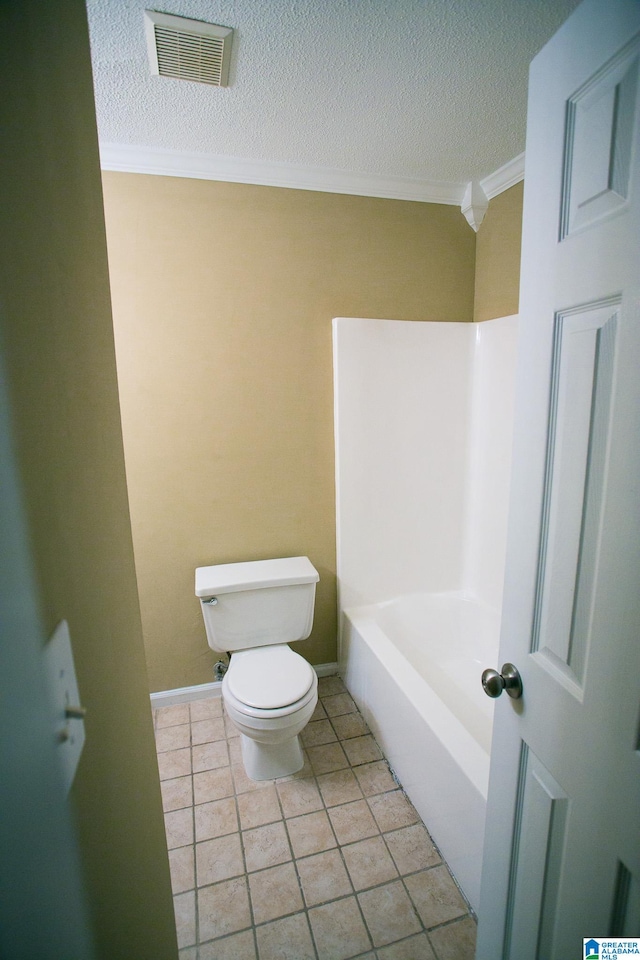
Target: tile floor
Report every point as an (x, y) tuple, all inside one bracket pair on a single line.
[(332, 863)]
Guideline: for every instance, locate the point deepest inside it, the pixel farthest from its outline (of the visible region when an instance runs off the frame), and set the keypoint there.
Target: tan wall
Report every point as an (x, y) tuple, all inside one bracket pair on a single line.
[(223, 298), (498, 257), (58, 339)]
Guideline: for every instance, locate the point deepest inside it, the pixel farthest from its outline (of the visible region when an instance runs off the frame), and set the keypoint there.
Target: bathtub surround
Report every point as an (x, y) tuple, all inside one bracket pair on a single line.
[(223, 297), (423, 422), (423, 438), (329, 864)]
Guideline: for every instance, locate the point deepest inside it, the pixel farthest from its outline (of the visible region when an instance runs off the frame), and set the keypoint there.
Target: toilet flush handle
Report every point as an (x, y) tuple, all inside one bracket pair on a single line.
[(211, 601)]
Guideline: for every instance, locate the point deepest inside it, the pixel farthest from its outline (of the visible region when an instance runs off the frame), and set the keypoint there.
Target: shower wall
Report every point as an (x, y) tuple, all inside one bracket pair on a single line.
[(423, 421)]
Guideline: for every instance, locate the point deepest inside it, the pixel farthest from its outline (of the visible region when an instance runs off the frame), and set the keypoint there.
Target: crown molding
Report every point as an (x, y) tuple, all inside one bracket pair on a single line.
[(474, 204), (503, 178), (176, 163)]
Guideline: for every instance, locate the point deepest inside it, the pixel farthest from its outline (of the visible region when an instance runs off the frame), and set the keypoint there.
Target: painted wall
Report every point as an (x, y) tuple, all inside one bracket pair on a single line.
[(58, 340), (498, 243), (223, 298)]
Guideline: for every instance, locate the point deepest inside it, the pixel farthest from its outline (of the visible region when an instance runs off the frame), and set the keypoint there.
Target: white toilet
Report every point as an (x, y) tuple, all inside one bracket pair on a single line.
[(253, 611)]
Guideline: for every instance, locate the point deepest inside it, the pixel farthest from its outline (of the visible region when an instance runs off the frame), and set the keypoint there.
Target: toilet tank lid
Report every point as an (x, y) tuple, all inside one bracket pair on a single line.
[(254, 575)]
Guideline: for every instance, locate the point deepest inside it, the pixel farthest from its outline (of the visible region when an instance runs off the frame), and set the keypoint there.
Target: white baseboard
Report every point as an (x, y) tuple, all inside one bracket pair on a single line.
[(168, 698)]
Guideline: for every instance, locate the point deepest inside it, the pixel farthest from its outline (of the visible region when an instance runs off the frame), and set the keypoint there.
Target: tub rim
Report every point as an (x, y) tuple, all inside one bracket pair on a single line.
[(472, 759)]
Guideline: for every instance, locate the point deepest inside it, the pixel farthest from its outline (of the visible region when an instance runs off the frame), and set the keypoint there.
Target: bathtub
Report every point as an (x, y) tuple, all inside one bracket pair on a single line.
[(413, 666)]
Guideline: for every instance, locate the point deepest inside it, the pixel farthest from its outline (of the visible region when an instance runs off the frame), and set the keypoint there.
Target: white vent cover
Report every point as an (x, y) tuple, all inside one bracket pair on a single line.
[(188, 49)]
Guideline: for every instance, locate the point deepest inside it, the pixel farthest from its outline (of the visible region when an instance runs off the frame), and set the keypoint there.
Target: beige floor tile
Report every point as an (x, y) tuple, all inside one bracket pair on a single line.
[(219, 859), (208, 756), (176, 793), (330, 686), (340, 786), (388, 913), (243, 783), (415, 948), (231, 731), (392, 810), (173, 738), (323, 877), (369, 863), (274, 893), (212, 785), (349, 777), (259, 807), (235, 750), (216, 818), (286, 939), (338, 705), (303, 774), (178, 825), (412, 849), (375, 778), (298, 797), (338, 930), (349, 725), (239, 946), (176, 763), (170, 716), (362, 750), (182, 869), (317, 733), (327, 758), (456, 941), (184, 906), (319, 713), (204, 731), (352, 821), (266, 846), (310, 834), (189, 953), (206, 709), (223, 908), (435, 896)]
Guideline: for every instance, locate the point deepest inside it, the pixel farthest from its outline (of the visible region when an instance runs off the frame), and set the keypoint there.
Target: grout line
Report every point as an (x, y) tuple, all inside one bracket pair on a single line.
[(196, 898), (326, 808)]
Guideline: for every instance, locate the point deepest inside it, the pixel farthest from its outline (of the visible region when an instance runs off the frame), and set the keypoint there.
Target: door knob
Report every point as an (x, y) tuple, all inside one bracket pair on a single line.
[(493, 683)]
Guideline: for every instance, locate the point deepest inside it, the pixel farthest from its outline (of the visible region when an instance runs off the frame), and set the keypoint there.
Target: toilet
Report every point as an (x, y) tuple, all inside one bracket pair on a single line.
[(253, 611)]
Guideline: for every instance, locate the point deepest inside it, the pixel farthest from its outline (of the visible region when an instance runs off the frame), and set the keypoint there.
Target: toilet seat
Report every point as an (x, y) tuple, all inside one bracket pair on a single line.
[(272, 679)]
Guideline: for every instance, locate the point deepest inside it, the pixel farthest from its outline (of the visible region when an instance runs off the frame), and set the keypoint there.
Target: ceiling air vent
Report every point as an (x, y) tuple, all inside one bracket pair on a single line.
[(188, 49)]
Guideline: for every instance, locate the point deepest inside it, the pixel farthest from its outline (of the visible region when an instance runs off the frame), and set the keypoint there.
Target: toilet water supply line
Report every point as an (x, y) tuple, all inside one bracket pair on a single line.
[(220, 667)]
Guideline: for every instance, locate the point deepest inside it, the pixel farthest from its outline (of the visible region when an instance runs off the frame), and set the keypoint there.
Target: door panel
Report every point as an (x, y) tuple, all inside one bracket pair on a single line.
[(581, 385), (599, 142), (536, 864)]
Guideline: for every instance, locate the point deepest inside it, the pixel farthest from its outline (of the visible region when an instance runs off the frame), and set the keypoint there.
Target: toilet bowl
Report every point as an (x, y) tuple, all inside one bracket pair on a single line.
[(254, 610), (270, 716)]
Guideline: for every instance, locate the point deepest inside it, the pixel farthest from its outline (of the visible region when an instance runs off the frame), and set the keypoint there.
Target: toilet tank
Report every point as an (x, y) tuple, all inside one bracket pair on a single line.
[(257, 603)]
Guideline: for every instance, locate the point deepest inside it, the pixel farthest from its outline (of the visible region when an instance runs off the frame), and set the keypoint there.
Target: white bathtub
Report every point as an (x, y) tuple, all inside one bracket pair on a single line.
[(413, 666)]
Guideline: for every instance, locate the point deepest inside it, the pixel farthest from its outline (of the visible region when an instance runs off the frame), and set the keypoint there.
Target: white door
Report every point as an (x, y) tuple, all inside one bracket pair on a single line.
[(562, 848)]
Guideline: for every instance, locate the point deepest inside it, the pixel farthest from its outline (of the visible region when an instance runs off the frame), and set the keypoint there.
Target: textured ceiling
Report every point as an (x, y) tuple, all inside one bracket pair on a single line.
[(425, 89)]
